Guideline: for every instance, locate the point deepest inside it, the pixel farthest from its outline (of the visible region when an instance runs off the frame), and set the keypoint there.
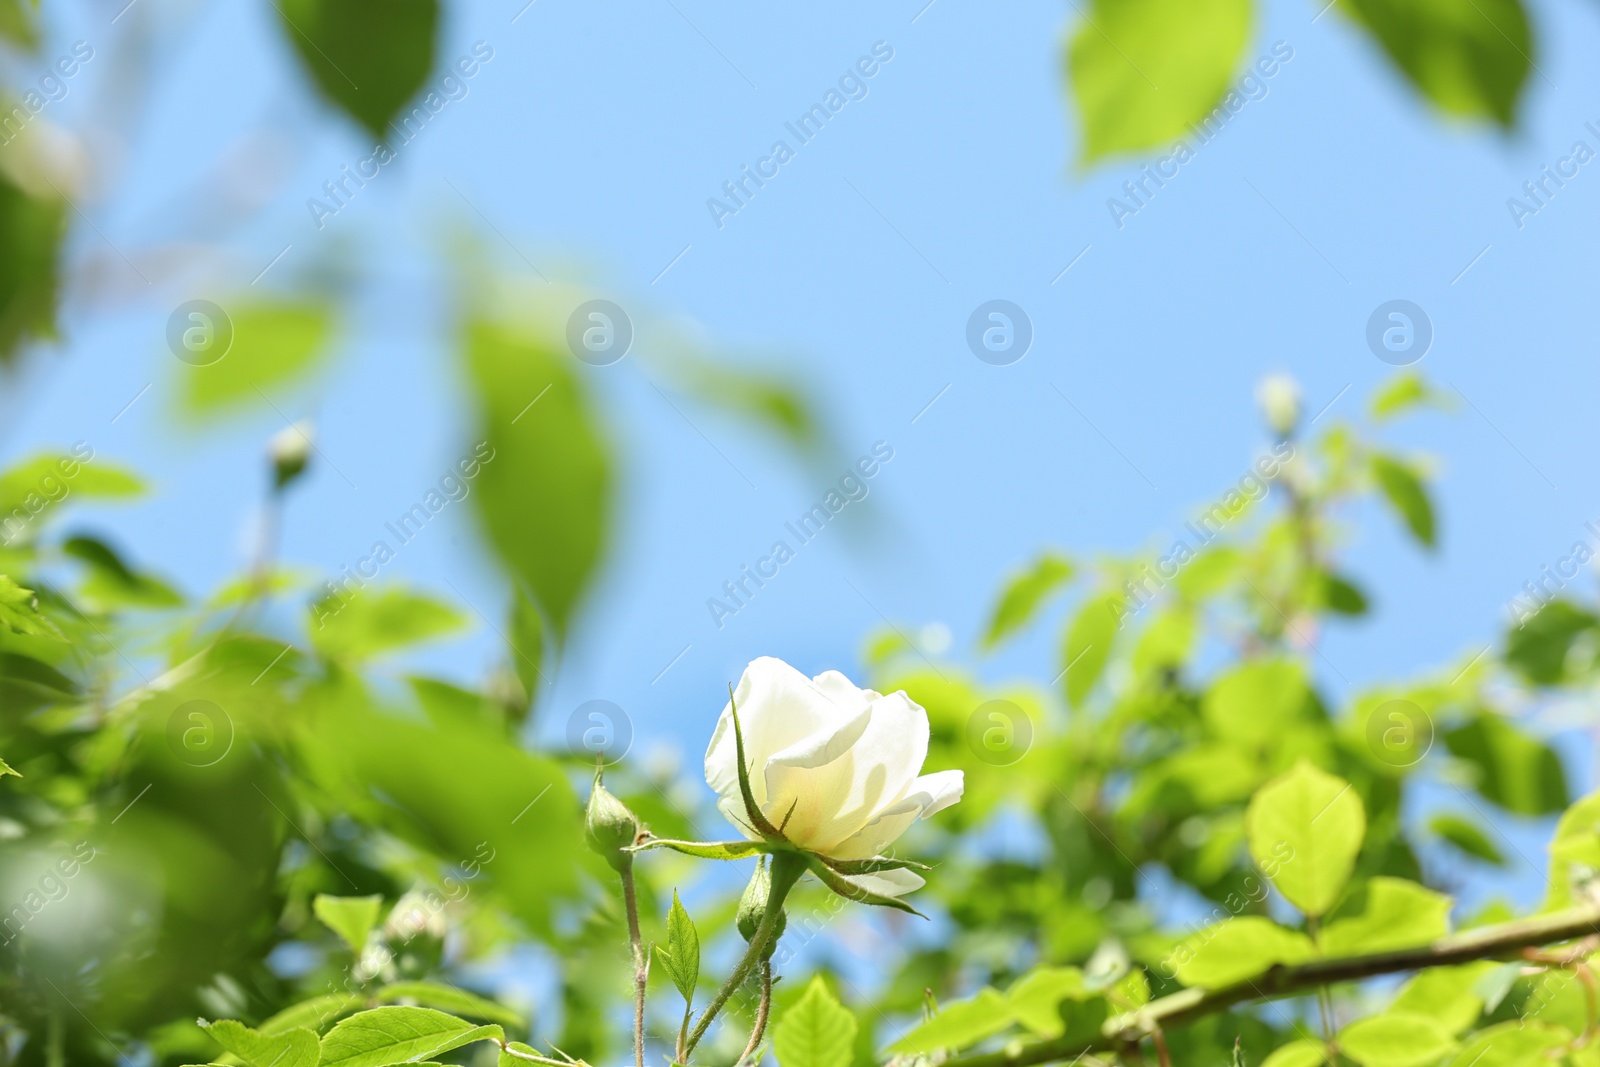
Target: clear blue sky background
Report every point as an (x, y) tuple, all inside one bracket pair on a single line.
[(595, 136)]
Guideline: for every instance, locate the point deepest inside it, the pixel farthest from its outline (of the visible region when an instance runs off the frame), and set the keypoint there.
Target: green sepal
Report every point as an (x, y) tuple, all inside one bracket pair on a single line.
[(758, 821), (873, 865), (706, 850), (850, 891)]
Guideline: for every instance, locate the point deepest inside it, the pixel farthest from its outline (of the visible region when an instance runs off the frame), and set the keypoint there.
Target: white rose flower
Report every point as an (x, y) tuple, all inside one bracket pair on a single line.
[(837, 770)]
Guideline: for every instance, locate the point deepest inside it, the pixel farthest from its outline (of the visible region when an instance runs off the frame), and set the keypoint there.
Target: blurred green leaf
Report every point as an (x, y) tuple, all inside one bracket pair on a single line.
[(1395, 1039), (390, 1035), (1386, 914), (1298, 1054), (1256, 700), (768, 401), (1236, 949), (526, 638), (1404, 490), (111, 582), (19, 610), (17, 26), (957, 1026), (1465, 835), (1024, 593), (352, 918), (1305, 829), (1518, 1043), (272, 344), (1538, 649), (817, 1031), (1448, 995), (1143, 70), (545, 497), (365, 623), (1403, 392), (32, 230), (1087, 647), (1520, 773), (369, 57), (1469, 57)]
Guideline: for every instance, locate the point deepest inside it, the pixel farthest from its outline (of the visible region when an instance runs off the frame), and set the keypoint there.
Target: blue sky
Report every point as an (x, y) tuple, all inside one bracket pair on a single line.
[(589, 145)]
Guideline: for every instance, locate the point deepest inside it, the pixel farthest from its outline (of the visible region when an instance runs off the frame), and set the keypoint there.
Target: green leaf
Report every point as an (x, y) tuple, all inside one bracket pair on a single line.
[(525, 635), (271, 345), (817, 1031), (357, 625), (17, 25), (545, 497), (958, 1026), (6, 768), (1143, 70), (1256, 701), (1403, 392), (1519, 1043), (1575, 853), (451, 999), (292, 1048), (1034, 1000), (706, 850), (1024, 593), (1447, 995), (352, 918), (1305, 829), (19, 610), (1338, 594), (851, 891), (112, 582), (1469, 59), (1167, 642), (1520, 773), (1236, 949), (1087, 647), (770, 401), (1390, 913), (384, 1036), (1403, 488), (368, 57), (1539, 648), (1395, 1039), (681, 956), (1298, 1054), (1465, 835), (31, 231)]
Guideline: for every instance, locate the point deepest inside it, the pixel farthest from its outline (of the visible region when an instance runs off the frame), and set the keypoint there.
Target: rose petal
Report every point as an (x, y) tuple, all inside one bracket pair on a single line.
[(778, 707)]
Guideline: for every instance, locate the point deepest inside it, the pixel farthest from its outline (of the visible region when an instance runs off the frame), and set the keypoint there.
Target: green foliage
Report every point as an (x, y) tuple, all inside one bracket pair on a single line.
[(1395, 1039), (1540, 649), (1387, 914), (817, 1031), (392, 1035), (681, 956), (546, 520), (292, 1048), (1087, 648), (1517, 772), (1469, 58), (1024, 594), (272, 344), (32, 229), (1142, 71), (1403, 489), (1319, 819), (368, 57), (1237, 949), (352, 918), (358, 626)]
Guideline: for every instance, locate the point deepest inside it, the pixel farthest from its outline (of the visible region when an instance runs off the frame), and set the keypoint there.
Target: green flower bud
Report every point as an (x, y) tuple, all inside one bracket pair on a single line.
[(753, 905), (611, 826)]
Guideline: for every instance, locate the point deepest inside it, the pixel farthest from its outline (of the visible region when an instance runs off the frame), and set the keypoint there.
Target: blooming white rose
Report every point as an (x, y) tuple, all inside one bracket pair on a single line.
[(836, 769)]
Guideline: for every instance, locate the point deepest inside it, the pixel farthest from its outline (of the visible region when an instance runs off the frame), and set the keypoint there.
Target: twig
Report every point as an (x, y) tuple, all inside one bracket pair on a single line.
[(641, 968), (1501, 941), (763, 1009)]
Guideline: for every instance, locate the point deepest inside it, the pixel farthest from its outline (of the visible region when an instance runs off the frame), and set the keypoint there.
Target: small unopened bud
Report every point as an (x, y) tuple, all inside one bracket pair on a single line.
[(290, 451), (1279, 397), (753, 905), (611, 826)]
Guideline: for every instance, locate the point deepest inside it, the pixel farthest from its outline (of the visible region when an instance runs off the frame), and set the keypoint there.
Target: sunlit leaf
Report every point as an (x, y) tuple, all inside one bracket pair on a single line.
[(1305, 829), (292, 1048), (1389, 913), (369, 57), (1470, 59), (959, 1025), (451, 999), (1142, 71), (361, 623), (1520, 773), (1403, 488), (1236, 949), (1395, 1039), (352, 918), (1024, 593), (271, 344), (1256, 700), (680, 957), (1087, 647), (391, 1035), (816, 1031)]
